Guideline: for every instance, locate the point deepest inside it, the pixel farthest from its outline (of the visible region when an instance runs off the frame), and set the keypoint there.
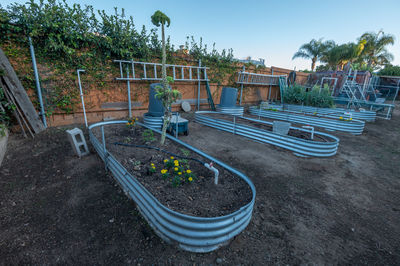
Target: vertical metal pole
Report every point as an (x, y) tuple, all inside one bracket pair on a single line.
[(129, 93), (176, 125), (81, 93), (241, 88), (198, 87), (103, 138), (234, 124), (133, 70), (39, 90), (270, 87)]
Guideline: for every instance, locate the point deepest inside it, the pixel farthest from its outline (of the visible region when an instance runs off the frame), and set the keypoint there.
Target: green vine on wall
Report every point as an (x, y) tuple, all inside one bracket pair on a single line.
[(67, 37)]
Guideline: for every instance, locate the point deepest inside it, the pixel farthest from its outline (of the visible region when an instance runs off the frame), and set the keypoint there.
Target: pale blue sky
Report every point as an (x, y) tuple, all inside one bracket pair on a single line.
[(273, 30)]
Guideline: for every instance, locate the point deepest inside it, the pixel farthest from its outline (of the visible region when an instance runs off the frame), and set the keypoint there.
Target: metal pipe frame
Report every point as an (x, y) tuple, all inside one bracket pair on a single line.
[(195, 234), (38, 88), (300, 147), (154, 65), (368, 116), (372, 105), (354, 126), (81, 94), (257, 79)]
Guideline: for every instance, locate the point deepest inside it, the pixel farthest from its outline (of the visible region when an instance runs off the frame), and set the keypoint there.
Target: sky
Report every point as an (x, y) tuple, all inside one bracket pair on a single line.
[(272, 30)]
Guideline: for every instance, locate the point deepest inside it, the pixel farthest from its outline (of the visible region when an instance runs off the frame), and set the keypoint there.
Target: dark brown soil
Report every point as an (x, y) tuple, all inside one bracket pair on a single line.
[(201, 197), (292, 132), (342, 210)]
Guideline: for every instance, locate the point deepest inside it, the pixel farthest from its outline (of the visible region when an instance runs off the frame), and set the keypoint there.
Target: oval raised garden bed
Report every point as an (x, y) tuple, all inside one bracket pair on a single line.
[(177, 219), (368, 116), (342, 124), (298, 140)]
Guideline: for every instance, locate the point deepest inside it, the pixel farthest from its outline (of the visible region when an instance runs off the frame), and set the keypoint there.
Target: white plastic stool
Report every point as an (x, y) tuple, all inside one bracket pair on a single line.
[(78, 142)]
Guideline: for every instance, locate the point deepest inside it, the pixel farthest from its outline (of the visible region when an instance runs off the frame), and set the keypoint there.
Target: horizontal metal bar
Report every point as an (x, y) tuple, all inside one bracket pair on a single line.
[(159, 64), (194, 79), (196, 234)]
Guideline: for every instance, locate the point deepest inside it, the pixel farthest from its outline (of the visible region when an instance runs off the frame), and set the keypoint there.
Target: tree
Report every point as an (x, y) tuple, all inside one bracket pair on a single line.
[(339, 55), (313, 50), (375, 52), (164, 93)]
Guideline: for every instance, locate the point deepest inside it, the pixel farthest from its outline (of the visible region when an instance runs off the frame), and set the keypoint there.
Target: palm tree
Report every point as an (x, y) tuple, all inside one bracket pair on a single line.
[(339, 55), (375, 52), (313, 50)]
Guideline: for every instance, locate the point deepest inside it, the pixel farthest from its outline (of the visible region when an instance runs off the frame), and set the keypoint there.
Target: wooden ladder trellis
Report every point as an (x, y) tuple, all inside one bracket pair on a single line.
[(129, 71)]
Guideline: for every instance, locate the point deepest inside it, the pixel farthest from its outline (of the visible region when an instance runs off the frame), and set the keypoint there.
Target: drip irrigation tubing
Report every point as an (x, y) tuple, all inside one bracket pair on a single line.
[(158, 149)]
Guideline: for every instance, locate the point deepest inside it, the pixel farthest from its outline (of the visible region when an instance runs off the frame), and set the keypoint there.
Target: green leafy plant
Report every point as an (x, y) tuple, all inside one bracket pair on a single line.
[(177, 172), (6, 109), (317, 96), (185, 152), (148, 135), (390, 70), (152, 168)]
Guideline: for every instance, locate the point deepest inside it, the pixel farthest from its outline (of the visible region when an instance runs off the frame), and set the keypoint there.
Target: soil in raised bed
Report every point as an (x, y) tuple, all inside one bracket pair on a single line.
[(199, 198), (292, 132)]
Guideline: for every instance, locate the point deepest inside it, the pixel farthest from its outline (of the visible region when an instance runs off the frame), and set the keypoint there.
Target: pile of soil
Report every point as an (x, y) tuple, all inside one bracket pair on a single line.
[(201, 197), (292, 132)]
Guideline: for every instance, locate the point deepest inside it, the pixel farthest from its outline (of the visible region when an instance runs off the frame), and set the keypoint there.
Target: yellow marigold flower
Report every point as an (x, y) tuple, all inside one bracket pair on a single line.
[(163, 171), (188, 171), (176, 169), (190, 179), (351, 118), (172, 157), (152, 163), (176, 162), (165, 160), (153, 167), (341, 117), (179, 173)]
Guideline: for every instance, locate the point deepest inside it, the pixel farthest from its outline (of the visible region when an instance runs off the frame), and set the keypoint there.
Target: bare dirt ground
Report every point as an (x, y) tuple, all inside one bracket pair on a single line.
[(58, 209)]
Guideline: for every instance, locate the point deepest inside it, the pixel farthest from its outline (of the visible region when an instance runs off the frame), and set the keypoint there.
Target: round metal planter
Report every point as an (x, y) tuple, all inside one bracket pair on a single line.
[(299, 146), (154, 122), (235, 110), (195, 234), (368, 116), (354, 126)]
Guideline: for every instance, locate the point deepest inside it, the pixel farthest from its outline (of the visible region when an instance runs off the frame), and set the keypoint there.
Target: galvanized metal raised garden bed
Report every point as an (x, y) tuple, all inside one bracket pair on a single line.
[(235, 110), (368, 116), (196, 234), (354, 126), (301, 147)]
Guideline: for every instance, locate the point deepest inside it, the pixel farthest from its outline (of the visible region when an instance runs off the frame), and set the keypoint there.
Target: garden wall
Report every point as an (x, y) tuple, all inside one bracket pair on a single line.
[(112, 103), (106, 98)]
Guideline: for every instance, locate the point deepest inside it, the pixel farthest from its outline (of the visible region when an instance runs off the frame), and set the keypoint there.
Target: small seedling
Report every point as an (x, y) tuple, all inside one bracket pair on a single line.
[(127, 140), (148, 135), (185, 152)]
